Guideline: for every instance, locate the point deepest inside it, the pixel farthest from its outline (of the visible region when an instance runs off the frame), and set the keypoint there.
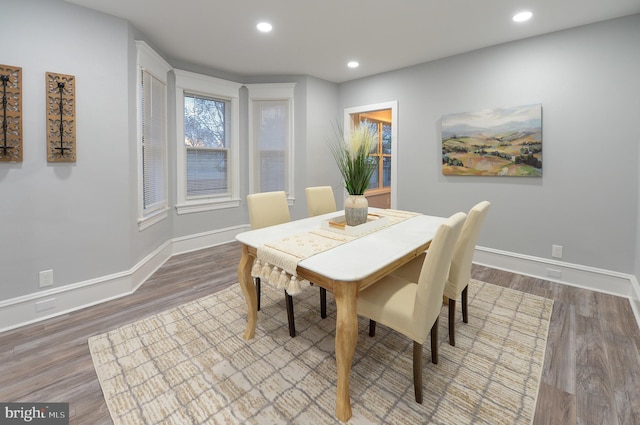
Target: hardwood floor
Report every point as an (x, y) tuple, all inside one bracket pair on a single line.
[(591, 373)]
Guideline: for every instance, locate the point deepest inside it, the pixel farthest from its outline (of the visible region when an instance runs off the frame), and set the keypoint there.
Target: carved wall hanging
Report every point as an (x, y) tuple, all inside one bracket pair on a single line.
[(11, 114), (61, 118)]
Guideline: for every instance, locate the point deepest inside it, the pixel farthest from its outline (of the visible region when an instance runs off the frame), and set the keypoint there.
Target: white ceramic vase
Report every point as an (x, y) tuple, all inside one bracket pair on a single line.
[(356, 208)]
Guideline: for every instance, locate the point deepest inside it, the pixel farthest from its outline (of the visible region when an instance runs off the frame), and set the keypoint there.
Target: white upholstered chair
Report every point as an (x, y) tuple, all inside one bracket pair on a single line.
[(320, 200), (268, 209), (412, 307), (460, 271)]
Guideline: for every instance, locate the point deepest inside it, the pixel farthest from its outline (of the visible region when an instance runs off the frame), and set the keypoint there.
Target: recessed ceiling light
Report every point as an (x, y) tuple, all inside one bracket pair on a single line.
[(522, 16), (353, 64), (264, 27)]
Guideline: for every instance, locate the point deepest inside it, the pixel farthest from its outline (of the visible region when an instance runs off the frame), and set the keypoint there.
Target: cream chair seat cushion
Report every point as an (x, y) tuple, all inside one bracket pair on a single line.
[(397, 312)]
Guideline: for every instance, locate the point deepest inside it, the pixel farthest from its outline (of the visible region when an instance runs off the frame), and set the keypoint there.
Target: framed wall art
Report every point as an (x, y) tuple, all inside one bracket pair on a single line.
[(11, 114), (61, 117), (493, 142)]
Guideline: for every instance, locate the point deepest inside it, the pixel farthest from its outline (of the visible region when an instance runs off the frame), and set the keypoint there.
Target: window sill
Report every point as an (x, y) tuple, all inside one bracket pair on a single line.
[(150, 220), (373, 192), (189, 207)]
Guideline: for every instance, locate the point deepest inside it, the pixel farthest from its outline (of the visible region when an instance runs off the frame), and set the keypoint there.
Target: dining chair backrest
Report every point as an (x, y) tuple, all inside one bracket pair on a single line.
[(320, 200), (434, 274), (267, 209), (460, 271)]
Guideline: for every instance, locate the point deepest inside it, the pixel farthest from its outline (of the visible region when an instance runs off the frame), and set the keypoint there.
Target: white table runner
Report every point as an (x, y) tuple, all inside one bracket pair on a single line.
[(277, 261)]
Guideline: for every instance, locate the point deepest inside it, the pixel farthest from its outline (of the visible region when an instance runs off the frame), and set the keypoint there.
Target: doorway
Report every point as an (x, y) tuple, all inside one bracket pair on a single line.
[(383, 117)]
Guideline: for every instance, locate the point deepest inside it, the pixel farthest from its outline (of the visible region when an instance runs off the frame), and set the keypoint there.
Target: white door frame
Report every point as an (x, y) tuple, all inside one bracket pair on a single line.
[(393, 105)]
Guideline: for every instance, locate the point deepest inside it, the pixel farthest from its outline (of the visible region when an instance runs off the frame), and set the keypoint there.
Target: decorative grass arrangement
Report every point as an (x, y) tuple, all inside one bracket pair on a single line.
[(352, 156)]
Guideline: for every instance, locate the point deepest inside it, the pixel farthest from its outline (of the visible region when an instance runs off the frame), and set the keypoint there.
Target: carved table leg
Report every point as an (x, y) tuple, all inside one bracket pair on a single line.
[(249, 291), (346, 295)]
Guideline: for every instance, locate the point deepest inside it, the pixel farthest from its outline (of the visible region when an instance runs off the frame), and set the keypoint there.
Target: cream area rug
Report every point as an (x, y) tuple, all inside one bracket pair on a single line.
[(190, 365)]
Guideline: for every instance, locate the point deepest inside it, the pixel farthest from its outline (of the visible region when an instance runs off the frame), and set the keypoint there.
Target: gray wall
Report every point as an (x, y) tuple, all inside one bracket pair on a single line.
[(322, 114), (74, 218), (637, 252), (588, 83), (80, 219)]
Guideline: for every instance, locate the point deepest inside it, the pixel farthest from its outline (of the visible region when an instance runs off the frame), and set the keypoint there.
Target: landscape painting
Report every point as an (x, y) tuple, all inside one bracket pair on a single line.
[(493, 142)]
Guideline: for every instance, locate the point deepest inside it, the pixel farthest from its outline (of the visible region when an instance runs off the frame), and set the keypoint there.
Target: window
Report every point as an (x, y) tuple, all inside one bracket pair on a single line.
[(271, 137), (380, 122), (205, 140), (154, 142), (207, 135), (152, 136), (381, 178)]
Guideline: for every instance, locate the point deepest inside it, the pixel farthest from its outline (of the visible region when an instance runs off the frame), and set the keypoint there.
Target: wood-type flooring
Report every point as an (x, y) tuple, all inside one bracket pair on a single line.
[(591, 372)]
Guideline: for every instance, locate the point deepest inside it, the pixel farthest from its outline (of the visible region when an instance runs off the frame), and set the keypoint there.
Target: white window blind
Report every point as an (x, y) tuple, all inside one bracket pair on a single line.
[(207, 172), (271, 138), (154, 143)]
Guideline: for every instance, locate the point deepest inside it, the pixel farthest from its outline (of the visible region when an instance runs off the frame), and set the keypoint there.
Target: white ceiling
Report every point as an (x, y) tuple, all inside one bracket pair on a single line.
[(318, 37)]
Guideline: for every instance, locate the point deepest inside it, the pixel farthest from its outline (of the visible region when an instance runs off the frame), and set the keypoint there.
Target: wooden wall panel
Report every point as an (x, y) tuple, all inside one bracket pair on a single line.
[(11, 114), (61, 117)]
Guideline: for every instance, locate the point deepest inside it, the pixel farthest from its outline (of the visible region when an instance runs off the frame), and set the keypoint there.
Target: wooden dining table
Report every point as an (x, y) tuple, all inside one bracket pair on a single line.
[(344, 270)]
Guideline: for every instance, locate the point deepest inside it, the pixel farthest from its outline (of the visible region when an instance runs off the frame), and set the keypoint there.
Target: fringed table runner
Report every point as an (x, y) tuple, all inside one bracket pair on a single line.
[(277, 261)]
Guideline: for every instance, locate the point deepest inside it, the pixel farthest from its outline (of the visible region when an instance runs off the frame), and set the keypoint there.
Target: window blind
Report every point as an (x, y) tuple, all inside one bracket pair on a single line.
[(207, 172), (271, 138), (154, 144)]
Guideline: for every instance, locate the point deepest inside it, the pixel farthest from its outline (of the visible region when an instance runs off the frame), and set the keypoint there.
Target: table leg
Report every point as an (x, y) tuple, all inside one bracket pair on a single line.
[(249, 291), (346, 297)]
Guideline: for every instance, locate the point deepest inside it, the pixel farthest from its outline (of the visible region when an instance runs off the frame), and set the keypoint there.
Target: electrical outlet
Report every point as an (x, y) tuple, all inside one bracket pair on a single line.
[(556, 251), (46, 278)]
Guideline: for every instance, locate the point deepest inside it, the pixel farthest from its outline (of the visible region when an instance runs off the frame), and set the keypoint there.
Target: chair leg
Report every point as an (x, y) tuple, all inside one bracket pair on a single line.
[(372, 328), (417, 371), (434, 343), (465, 296), (323, 303), (258, 291), (292, 324), (452, 322)]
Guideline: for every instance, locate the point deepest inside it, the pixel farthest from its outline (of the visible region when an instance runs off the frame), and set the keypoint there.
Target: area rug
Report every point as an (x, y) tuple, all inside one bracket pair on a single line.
[(190, 365)]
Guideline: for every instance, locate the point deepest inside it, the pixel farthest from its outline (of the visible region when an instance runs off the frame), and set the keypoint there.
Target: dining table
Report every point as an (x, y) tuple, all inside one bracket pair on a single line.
[(344, 270)]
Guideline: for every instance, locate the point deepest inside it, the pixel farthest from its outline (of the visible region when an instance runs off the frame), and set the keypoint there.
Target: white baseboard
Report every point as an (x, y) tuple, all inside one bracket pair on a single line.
[(32, 308), (614, 283), (557, 271), (27, 309), (198, 241)]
